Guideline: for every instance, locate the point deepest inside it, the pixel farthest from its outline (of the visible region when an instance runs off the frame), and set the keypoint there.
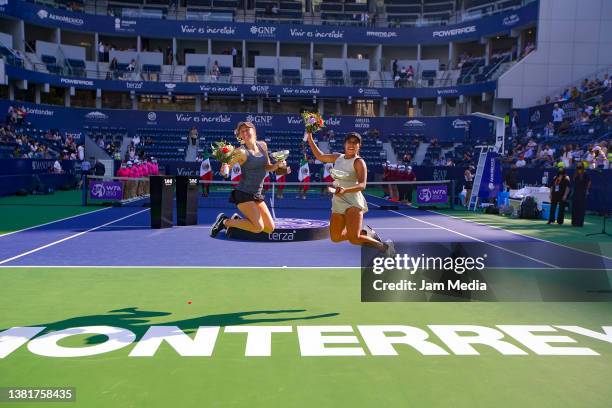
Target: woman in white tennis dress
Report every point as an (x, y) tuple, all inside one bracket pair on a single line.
[(348, 202)]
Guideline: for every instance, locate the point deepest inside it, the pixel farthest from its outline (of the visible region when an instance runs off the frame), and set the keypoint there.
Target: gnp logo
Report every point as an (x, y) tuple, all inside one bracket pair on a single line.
[(152, 116), (454, 32), (260, 88), (263, 31), (261, 120), (511, 20)]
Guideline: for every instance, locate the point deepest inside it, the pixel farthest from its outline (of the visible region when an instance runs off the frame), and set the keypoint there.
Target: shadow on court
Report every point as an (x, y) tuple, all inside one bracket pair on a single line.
[(138, 321)]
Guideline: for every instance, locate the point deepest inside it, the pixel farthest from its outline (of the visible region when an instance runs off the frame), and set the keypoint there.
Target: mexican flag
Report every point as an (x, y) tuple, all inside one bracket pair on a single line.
[(235, 174), (304, 174), (266, 187), (280, 180), (327, 178), (205, 170)]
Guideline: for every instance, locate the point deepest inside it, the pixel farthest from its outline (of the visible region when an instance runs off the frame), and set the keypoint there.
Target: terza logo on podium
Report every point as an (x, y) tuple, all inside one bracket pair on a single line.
[(281, 236)]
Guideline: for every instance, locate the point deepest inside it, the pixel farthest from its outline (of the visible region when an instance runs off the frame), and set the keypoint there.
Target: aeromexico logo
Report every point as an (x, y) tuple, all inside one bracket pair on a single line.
[(511, 20), (454, 32), (261, 120), (263, 31), (414, 123), (96, 115), (44, 14), (461, 124)]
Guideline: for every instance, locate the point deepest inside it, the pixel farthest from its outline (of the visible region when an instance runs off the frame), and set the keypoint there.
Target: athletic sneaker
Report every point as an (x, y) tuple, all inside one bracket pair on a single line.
[(236, 216), (218, 225), (367, 230), (390, 248)]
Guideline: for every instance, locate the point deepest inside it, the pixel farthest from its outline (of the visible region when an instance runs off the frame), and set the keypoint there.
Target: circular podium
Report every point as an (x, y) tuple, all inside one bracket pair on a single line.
[(287, 230)]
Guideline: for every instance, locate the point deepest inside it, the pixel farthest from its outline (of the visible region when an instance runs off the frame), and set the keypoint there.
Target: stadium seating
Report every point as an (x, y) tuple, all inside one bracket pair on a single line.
[(265, 75), (164, 143)]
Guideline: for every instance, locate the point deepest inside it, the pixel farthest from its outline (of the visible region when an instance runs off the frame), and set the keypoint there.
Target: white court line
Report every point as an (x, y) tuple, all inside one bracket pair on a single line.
[(69, 237), (473, 238), (526, 268), (52, 222), (521, 235)]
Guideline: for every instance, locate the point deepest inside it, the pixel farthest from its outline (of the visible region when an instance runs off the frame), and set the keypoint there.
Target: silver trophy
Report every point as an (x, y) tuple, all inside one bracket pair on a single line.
[(280, 155)]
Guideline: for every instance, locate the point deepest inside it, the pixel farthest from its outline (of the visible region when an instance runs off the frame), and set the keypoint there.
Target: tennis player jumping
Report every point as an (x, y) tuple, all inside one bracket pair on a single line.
[(348, 203), (252, 156)]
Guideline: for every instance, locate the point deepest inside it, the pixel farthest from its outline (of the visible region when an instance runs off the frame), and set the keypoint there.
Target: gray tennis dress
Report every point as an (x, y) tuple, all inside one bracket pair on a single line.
[(253, 172), (341, 203)]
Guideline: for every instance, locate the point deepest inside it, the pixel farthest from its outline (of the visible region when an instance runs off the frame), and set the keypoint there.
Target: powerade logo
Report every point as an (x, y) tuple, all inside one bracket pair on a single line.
[(381, 34), (454, 32), (263, 31), (414, 123), (511, 20), (261, 120), (44, 14), (460, 124), (260, 89), (449, 91), (81, 82)]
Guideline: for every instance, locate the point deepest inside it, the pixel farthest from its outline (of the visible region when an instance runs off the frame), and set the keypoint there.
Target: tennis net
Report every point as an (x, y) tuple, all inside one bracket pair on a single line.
[(290, 195)]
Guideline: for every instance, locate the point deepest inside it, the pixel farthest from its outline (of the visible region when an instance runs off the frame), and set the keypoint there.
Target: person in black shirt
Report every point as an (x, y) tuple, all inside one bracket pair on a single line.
[(559, 191), (99, 169), (511, 178), (582, 183)]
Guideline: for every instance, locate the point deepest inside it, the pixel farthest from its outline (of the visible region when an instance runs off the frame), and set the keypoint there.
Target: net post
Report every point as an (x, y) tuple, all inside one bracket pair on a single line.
[(84, 190)]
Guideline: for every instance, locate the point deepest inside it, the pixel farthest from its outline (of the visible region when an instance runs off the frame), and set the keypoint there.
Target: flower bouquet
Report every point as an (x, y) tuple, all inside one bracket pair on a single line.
[(223, 152), (313, 122)]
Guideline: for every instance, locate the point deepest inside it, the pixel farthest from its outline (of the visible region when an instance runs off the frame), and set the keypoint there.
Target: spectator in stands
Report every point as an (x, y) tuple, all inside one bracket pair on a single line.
[(557, 117), (86, 167), (514, 124), (468, 183), (521, 161), (100, 52), (81, 152), (214, 72), (549, 130), (511, 178), (57, 167), (131, 66), (410, 74), (405, 190), (394, 68), (581, 184), (407, 159), (193, 136), (112, 68), (567, 156), (99, 169)]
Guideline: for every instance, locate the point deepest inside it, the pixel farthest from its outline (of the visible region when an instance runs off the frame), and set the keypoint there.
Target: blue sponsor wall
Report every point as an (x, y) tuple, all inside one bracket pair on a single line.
[(29, 174), (189, 88), (499, 24), (449, 128)]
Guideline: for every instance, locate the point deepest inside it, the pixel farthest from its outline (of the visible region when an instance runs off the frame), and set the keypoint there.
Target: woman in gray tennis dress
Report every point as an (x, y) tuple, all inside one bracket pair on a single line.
[(348, 203), (252, 156)]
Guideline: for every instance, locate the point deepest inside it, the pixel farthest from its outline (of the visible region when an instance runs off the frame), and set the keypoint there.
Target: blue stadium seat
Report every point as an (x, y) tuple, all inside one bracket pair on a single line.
[(334, 77), (265, 75)]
